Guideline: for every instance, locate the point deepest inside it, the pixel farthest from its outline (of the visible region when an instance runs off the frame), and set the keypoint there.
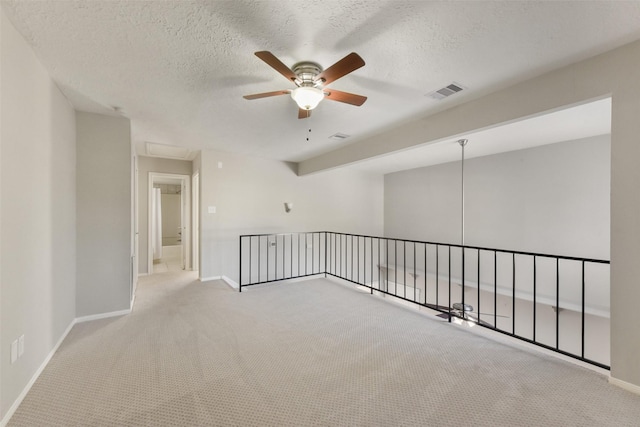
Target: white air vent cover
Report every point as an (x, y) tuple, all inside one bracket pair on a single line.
[(339, 136), (446, 91)]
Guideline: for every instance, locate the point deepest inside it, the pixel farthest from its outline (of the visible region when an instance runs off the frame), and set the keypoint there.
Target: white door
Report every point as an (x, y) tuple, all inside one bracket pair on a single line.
[(183, 223)]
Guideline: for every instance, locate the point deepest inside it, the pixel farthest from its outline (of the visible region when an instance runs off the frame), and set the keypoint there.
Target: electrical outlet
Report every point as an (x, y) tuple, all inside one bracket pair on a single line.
[(14, 351), (21, 345)]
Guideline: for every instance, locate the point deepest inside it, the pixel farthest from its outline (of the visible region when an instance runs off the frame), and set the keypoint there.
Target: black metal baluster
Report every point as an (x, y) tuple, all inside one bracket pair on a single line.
[(371, 263), (414, 272), (437, 275), (306, 261), (450, 284), (426, 270), (534, 297), (479, 286), (351, 250), (299, 256), (358, 276), (259, 262), (404, 269), (379, 284), (386, 287), (557, 303), (240, 276), (395, 269), (513, 296), (583, 302), (495, 289)]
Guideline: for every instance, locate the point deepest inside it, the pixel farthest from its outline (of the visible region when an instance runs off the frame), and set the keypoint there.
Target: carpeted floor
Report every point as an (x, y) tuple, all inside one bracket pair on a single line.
[(306, 353)]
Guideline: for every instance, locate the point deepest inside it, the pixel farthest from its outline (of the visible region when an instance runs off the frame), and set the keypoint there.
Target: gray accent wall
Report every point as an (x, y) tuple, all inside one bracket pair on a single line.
[(146, 165), (103, 214), (249, 195), (37, 213), (550, 199)]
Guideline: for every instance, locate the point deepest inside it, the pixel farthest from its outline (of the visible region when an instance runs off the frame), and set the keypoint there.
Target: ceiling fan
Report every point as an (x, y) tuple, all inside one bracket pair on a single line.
[(311, 81)]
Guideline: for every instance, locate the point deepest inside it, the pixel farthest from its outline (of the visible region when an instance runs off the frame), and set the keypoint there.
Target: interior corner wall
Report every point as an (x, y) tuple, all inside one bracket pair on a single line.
[(146, 165), (551, 199), (37, 213), (103, 214), (249, 193)]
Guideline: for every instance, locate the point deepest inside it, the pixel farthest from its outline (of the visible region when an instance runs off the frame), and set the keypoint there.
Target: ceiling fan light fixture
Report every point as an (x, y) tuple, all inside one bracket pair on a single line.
[(307, 97)]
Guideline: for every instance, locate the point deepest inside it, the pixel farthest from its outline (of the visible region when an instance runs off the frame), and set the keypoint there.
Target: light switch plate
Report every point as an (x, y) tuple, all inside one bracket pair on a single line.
[(212, 209), (14, 351), (21, 346)]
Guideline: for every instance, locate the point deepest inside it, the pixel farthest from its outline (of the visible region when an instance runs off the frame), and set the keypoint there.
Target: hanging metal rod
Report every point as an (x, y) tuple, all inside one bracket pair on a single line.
[(462, 143)]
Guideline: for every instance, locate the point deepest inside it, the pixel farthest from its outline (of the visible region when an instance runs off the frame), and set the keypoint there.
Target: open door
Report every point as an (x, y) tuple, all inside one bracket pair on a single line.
[(184, 218)]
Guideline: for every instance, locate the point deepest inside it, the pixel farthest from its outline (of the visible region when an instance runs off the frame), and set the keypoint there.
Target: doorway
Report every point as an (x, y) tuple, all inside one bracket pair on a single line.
[(169, 222)]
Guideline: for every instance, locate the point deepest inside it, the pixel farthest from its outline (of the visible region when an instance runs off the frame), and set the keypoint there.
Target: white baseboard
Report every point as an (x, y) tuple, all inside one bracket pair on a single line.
[(18, 401), (625, 385), (208, 279), (231, 282), (102, 315), (142, 274)]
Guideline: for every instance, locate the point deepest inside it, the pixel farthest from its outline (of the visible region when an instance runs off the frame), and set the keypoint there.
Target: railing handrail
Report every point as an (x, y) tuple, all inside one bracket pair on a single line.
[(453, 245)]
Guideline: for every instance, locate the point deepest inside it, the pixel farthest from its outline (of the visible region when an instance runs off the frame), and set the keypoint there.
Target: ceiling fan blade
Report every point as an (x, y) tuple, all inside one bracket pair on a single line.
[(303, 114), (346, 97), (276, 64), (267, 94), (349, 63), (479, 322), (437, 307), (497, 315)]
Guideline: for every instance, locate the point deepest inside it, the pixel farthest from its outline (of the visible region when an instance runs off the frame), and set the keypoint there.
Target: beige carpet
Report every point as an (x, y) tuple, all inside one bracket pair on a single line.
[(307, 353)]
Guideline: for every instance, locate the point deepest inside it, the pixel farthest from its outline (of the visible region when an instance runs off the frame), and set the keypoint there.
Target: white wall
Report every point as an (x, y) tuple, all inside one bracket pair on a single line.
[(551, 199), (103, 214), (249, 195), (37, 219), (146, 165)]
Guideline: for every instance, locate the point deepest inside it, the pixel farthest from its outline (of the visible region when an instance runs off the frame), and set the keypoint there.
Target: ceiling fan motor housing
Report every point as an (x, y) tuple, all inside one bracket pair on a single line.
[(462, 307), (307, 73)]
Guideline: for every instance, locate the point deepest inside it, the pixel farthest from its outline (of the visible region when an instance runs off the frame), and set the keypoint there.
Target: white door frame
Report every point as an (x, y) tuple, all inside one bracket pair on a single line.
[(186, 219), (195, 221)]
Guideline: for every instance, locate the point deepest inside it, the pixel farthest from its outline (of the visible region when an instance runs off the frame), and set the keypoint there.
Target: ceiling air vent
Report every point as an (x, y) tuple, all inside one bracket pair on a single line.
[(339, 136), (446, 91)]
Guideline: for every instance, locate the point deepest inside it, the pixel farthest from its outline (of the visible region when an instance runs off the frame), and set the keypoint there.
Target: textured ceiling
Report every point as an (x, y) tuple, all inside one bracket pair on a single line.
[(178, 69)]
